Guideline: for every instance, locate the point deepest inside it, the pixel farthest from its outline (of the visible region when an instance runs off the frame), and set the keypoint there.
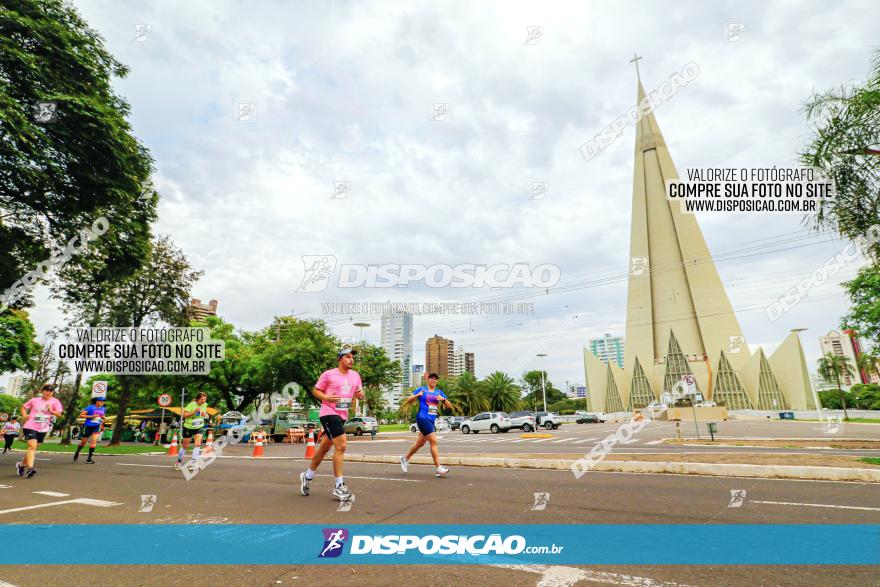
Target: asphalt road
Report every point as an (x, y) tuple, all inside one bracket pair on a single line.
[(243, 490)]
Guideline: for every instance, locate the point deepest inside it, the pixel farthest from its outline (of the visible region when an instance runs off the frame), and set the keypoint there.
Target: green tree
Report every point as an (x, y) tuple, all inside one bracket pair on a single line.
[(466, 394), (18, 347), (59, 174), (10, 405), (864, 294), (377, 372), (832, 367), (534, 395), (501, 391), (846, 137), (867, 362), (159, 290)]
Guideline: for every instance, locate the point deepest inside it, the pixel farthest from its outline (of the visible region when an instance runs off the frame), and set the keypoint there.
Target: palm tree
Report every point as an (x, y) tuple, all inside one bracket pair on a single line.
[(831, 368), (465, 393), (501, 391), (375, 400), (867, 362)]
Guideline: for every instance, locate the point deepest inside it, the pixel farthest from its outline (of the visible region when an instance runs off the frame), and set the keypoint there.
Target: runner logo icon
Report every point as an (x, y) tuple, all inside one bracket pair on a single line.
[(334, 541)]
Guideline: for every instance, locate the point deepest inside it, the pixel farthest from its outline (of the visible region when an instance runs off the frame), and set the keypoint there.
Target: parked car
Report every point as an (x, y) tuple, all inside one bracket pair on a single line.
[(526, 422), (359, 425), (455, 422), (548, 420), (494, 422), (580, 413), (440, 424), (586, 418), (705, 404)]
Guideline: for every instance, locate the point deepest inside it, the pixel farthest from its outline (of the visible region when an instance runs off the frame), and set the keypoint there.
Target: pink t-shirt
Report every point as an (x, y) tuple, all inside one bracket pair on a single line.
[(39, 415), (332, 382)]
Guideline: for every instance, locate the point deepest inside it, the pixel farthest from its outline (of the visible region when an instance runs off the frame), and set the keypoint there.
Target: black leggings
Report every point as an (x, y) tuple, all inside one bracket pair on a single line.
[(9, 438)]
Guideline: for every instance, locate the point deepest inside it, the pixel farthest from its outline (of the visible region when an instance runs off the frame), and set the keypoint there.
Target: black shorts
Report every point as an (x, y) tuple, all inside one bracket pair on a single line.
[(191, 432), (333, 426), (89, 430), (31, 434)]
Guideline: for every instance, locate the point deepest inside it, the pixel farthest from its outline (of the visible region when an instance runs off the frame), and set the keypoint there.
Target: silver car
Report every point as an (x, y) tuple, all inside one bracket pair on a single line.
[(358, 426)]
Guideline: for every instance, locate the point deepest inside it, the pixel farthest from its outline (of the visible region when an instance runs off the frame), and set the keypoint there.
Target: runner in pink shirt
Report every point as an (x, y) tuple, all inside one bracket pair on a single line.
[(38, 413), (338, 389)]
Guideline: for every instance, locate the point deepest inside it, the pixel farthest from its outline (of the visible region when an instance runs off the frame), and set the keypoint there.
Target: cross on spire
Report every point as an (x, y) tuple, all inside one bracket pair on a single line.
[(635, 60)]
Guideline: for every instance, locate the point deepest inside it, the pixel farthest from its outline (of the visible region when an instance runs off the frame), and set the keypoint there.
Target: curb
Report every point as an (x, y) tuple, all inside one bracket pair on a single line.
[(713, 469)]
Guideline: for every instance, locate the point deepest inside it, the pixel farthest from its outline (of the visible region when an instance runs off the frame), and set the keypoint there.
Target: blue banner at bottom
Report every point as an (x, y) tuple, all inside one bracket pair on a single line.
[(364, 544)]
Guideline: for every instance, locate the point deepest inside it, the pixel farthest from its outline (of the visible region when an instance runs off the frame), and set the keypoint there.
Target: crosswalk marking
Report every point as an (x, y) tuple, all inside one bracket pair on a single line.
[(653, 442), (562, 440), (586, 440), (53, 493)]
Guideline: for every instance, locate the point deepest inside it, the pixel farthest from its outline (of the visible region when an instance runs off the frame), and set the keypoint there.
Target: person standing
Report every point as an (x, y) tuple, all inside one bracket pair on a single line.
[(94, 415), (38, 413), (10, 433), (338, 389), (429, 398)]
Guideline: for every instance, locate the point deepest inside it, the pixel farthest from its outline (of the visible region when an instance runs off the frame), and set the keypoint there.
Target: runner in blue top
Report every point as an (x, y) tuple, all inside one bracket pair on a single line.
[(94, 415), (429, 398)]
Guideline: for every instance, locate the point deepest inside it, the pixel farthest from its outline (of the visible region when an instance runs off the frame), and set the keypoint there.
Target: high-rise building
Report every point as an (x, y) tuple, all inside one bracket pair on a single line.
[(847, 344), (608, 348), (397, 340), (418, 372), (14, 386), (199, 311), (439, 354), (462, 362), (679, 321)]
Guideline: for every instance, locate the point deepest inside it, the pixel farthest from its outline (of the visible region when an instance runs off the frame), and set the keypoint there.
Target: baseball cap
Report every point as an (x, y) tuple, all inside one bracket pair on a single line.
[(345, 351)]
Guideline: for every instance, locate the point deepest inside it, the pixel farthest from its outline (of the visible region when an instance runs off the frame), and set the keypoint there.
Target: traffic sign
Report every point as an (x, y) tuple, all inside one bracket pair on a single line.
[(99, 389), (164, 400)]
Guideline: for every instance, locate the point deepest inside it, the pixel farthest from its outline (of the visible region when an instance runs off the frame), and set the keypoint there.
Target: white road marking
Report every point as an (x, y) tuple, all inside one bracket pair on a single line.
[(52, 493), (555, 576), (380, 478), (562, 440), (5, 487), (521, 440), (83, 501), (5, 584), (586, 440), (653, 442), (818, 505), (535, 440)]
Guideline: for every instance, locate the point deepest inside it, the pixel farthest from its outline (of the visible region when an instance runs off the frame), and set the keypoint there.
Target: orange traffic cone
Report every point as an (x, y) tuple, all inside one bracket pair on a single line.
[(258, 445), (310, 447), (210, 445), (172, 450)]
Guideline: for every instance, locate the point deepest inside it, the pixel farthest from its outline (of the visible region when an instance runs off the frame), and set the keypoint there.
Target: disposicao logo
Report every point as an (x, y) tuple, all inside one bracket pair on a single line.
[(334, 541)]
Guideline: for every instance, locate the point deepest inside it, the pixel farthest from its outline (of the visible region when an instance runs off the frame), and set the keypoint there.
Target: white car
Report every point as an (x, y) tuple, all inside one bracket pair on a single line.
[(706, 404), (494, 422)]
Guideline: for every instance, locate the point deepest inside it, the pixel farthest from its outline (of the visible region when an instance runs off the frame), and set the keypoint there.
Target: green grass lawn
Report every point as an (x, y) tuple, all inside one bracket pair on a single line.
[(122, 449), (870, 460), (393, 428)]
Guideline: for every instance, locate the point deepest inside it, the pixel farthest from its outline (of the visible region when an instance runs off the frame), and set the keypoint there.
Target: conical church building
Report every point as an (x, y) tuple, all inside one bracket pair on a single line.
[(679, 320)]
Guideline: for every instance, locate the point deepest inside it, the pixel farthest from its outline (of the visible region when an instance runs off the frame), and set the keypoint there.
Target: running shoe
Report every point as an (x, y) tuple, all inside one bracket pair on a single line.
[(441, 470), (19, 467), (90, 461), (342, 493), (404, 464), (75, 457), (177, 465), (31, 473), (304, 484)]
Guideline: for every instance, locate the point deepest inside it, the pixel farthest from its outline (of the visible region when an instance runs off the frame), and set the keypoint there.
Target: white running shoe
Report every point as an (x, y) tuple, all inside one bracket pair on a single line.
[(342, 493), (304, 484), (404, 464), (177, 465), (441, 470)]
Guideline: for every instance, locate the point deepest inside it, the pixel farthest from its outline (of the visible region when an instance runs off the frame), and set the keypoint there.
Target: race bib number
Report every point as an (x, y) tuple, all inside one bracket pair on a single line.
[(343, 404), (96, 420), (432, 409), (198, 422), (41, 418)]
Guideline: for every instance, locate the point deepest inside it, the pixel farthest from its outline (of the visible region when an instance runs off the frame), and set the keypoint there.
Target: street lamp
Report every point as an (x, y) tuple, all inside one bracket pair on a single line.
[(543, 387), (362, 325), (810, 377)]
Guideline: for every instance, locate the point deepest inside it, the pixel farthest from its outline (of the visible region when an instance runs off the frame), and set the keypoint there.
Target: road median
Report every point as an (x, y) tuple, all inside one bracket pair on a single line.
[(679, 464)]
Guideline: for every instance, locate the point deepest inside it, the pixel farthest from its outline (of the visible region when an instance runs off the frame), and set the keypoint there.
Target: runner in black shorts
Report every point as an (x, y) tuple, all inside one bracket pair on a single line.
[(91, 432), (338, 389)]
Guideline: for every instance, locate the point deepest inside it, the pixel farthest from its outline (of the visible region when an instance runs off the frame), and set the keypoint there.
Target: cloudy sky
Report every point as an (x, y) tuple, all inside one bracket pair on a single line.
[(344, 92)]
